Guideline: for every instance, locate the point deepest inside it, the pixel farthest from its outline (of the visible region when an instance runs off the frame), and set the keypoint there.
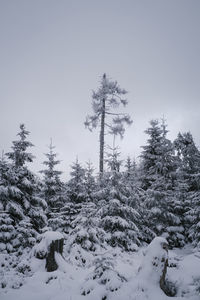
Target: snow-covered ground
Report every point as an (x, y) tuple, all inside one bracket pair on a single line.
[(108, 275)]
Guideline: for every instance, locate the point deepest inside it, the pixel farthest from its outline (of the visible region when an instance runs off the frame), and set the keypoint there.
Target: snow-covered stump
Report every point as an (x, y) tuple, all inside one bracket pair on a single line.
[(154, 266), (52, 241), (55, 246)]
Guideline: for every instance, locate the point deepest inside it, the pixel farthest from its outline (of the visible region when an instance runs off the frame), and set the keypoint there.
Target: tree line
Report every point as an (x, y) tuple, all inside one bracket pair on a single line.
[(157, 196)]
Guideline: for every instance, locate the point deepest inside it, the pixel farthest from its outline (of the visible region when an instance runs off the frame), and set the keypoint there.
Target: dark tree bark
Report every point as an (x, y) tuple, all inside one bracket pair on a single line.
[(108, 97), (55, 246), (162, 278), (101, 154)]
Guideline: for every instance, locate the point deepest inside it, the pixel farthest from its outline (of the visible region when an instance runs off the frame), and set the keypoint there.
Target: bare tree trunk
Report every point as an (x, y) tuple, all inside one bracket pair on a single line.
[(101, 138)]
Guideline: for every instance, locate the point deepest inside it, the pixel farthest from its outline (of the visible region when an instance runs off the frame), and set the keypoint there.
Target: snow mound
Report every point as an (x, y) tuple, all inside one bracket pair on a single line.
[(40, 250), (112, 275), (155, 256)]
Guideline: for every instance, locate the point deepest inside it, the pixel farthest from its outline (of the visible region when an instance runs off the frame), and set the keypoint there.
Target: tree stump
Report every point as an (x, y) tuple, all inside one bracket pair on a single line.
[(154, 265), (51, 242), (55, 246), (164, 270)]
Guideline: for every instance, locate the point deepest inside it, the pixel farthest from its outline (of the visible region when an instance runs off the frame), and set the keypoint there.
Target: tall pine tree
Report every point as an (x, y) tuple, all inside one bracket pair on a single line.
[(158, 171), (109, 96), (22, 205)]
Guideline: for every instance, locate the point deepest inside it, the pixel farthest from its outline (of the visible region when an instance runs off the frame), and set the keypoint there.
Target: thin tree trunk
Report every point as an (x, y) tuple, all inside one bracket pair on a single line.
[(101, 139)]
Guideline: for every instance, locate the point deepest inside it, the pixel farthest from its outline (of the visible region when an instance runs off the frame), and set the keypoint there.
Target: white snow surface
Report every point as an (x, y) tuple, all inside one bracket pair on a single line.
[(46, 240), (50, 236), (111, 273), (152, 264)]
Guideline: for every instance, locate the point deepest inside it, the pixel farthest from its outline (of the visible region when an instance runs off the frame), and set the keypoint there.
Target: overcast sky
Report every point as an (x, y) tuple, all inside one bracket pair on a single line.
[(53, 53)]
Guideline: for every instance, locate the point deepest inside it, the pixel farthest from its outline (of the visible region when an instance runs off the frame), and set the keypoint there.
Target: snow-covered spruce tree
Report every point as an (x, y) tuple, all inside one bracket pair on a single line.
[(19, 156), (118, 218), (131, 178), (73, 195), (7, 230), (85, 235), (136, 197), (182, 198), (112, 159), (158, 171), (130, 169), (192, 218), (21, 202), (89, 183), (87, 232), (108, 97), (77, 192), (188, 157), (154, 156), (4, 182), (76, 183), (89, 235), (52, 190), (188, 178)]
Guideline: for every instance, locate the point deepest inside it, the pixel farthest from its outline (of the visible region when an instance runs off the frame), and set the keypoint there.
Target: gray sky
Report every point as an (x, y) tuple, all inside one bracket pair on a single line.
[(53, 53)]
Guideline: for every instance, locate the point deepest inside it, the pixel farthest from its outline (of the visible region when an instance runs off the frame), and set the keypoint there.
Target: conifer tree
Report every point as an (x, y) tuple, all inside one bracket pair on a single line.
[(52, 184), (151, 154), (188, 159), (73, 196), (130, 168), (158, 169), (81, 213), (118, 218), (76, 183), (192, 218), (112, 160), (136, 198), (89, 183), (86, 228), (19, 156), (109, 96), (22, 205), (4, 182), (53, 189), (188, 178), (7, 230)]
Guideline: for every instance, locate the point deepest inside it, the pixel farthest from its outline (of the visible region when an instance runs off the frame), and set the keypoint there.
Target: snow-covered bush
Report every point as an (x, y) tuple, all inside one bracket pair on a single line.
[(103, 274)]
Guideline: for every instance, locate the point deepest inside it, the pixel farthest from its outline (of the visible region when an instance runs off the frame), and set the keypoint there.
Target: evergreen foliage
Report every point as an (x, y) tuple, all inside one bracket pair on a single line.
[(52, 189), (188, 157), (76, 183), (19, 198), (118, 218), (19, 156), (121, 208), (109, 96), (52, 184), (188, 161), (158, 169)]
